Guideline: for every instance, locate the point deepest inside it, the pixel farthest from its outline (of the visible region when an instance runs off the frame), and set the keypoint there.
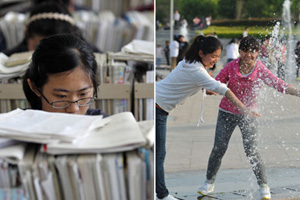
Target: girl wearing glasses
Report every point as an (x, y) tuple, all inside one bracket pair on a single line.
[(62, 76)]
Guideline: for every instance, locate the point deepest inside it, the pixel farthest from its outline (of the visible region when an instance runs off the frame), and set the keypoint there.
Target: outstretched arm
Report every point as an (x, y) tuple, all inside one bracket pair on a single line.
[(236, 102), (292, 91)]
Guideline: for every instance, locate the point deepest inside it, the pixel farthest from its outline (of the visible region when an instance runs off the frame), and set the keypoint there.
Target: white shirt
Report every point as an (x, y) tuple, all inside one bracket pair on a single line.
[(174, 48), (159, 52), (176, 16), (232, 51), (184, 81)]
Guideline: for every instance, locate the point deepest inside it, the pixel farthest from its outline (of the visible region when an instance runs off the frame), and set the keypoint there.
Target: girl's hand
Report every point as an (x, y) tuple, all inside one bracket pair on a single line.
[(252, 113), (209, 92)]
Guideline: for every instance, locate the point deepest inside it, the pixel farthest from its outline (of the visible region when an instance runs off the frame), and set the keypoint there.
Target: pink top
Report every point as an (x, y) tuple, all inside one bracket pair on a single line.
[(247, 88)]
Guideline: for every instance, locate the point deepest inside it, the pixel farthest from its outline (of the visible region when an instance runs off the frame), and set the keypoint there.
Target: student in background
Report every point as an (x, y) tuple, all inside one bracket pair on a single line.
[(245, 33), (188, 78), (62, 76), (167, 52), (46, 19), (176, 19), (232, 50), (183, 47), (174, 51), (159, 55)]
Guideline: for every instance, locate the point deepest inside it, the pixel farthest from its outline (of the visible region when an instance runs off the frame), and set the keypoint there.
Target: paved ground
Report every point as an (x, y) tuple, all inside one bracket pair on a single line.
[(189, 146)]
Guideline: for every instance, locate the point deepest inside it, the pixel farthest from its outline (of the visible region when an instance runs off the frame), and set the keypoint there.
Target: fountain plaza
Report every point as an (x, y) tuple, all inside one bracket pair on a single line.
[(189, 146)]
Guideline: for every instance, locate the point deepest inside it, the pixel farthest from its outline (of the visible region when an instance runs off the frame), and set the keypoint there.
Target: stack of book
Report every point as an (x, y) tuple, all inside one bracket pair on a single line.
[(113, 159)]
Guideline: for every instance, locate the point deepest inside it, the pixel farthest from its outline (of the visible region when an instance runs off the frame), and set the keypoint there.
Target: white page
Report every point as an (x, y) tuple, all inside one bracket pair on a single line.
[(13, 154), (139, 47), (121, 133), (147, 128), (50, 123), (11, 70), (4, 142), (51, 126)]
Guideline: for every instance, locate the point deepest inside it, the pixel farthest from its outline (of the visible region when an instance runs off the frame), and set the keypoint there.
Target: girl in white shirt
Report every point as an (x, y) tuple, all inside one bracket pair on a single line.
[(185, 80)]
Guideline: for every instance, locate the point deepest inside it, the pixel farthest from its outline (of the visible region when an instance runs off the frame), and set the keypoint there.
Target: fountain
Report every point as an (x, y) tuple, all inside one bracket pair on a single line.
[(290, 64), (278, 39)]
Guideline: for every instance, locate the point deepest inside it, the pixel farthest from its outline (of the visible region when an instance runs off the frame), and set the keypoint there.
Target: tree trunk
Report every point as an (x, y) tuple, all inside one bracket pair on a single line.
[(239, 8)]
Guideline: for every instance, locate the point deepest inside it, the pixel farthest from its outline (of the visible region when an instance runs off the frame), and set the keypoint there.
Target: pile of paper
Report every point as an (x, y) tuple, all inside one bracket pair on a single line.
[(65, 133), (8, 72), (46, 127), (122, 133)]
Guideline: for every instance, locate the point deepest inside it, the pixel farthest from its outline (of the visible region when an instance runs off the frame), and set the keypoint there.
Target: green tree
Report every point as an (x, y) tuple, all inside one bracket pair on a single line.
[(163, 10), (227, 9), (200, 8), (266, 8)]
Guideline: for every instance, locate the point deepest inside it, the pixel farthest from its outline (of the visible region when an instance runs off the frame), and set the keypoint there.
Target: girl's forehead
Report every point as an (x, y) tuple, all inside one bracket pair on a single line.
[(71, 77)]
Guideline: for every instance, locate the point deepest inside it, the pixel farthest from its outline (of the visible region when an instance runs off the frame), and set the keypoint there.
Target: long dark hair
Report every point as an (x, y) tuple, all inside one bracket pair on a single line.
[(55, 54), (207, 44)]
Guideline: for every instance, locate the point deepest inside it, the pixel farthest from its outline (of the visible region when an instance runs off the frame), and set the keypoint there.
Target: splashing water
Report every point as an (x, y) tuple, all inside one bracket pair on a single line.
[(282, 43), (286, 17)]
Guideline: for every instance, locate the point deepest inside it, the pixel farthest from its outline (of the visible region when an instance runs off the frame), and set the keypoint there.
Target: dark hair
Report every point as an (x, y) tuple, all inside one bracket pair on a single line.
[(47, 27), (249, 43), (179, 37), (232, 41), (207, 44), (65, 2), (55, 54)]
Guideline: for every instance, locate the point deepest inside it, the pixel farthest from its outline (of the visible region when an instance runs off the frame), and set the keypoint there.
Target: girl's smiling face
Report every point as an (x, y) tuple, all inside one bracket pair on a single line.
[(208, 60), (248, 57)]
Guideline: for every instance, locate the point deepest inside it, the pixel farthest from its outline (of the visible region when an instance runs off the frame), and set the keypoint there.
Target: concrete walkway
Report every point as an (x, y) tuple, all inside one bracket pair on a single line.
[(189, 146)]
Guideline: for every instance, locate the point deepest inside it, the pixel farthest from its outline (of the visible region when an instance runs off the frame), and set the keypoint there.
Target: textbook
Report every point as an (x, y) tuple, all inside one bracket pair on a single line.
[(18, 59), (122, 133), (47, 127), (7, 72), (69, 133)]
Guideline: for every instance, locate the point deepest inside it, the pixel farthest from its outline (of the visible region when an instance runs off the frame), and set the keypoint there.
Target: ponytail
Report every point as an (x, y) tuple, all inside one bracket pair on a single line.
[(206, 44)]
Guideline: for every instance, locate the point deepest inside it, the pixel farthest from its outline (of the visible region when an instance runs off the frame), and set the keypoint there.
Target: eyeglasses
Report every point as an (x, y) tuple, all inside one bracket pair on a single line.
[(64, 104)]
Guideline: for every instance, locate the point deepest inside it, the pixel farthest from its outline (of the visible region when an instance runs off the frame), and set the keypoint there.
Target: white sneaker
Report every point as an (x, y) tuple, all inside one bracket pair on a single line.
[(206, 188), (169, 197), (265, 191)]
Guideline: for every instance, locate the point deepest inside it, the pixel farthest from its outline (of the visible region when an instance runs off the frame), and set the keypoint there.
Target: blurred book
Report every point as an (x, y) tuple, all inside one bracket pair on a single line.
[(18, 59)]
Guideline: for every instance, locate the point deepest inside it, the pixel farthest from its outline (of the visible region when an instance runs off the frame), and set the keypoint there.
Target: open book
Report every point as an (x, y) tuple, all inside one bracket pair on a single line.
[(122, 133), (69, 133), (47, 127)]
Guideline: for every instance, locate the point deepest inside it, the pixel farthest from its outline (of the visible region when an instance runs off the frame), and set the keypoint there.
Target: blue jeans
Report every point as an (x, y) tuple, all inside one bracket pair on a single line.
[(158, 61), (160, 145), (226, 124)]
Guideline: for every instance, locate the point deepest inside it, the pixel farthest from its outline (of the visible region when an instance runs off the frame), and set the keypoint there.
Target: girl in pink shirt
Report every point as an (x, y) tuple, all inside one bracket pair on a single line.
[(245, 77)]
